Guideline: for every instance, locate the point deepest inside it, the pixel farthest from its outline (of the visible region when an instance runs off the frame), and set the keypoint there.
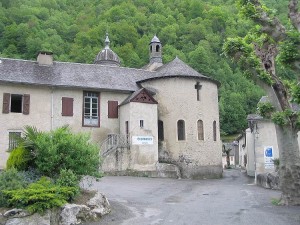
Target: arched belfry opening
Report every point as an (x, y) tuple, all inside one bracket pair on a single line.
[(155, 50)]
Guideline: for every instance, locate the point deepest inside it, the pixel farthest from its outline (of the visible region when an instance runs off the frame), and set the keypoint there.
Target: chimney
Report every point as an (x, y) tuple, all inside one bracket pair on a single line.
[(45, 58)]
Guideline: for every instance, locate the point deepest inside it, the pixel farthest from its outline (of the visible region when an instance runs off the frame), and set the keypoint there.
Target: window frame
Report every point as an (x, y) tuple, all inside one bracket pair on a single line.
[(200, 135), (12, 142), (181, 134), (95, 95), (214, 130), (24, 103)]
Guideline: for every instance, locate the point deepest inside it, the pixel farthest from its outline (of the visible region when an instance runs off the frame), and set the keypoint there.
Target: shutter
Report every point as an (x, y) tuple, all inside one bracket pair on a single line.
[(26, 104), (6, 102), (67, 106), (113, 109)]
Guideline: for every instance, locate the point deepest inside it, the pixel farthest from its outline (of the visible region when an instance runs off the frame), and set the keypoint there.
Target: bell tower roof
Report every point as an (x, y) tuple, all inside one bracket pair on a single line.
[(107, 56)]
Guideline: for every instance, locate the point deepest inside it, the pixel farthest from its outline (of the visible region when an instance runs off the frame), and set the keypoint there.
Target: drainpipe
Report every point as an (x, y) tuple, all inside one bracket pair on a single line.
[(52, 106)]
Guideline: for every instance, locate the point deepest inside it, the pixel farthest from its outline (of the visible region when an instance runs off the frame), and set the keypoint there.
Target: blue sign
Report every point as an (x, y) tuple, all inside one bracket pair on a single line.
[(269, 152)]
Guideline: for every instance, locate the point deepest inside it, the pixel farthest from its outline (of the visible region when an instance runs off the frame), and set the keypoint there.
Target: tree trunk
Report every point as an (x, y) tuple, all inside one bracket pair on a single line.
[(289, 168)]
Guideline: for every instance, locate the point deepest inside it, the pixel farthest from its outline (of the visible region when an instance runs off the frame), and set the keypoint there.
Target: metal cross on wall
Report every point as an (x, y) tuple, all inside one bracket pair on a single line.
[(198, 88)]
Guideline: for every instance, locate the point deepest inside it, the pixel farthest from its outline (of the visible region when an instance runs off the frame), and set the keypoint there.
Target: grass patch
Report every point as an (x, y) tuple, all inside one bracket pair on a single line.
[(275, 201)]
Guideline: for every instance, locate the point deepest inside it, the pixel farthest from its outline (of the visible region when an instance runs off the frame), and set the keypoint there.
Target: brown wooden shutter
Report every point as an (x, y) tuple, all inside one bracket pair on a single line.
[(6, 102), (26, 104), (67, 106), (113, 109)]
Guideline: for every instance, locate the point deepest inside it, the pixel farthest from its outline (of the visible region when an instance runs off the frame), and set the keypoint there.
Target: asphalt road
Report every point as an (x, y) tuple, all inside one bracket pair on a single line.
[(232, 200)]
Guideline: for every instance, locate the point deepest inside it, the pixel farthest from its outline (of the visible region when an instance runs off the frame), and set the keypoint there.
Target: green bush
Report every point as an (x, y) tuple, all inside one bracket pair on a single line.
[(61, 149), (19, 158), (9, 180), (40, 196), (67, 178)]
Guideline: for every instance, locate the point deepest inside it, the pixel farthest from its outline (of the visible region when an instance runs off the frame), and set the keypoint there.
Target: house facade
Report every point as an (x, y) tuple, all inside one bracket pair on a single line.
[(258, 145), (141, 118)]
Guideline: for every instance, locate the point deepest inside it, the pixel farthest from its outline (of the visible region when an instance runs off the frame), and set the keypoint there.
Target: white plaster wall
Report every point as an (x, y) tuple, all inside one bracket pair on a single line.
[(266, 137), (177, 98), (41, 99), (242, 151), (144, 156), (39, 116), (107, 125), (250, 143), (299, 140)]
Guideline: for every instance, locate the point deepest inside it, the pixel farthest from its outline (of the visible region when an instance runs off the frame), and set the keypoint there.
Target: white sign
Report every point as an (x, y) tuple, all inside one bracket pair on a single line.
[(142, 140), (269, 157)]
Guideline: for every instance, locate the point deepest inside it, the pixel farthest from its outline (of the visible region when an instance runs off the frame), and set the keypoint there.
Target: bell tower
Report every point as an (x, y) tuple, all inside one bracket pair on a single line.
[(155, 50)]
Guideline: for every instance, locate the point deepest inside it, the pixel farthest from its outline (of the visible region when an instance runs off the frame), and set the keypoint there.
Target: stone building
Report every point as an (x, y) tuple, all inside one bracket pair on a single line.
[(258, 145), (145, 120)]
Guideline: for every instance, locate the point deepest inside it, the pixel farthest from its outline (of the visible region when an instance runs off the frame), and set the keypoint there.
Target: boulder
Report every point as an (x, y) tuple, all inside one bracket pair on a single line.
[(99, 204), (69, 214), (16, 213), (74, 214), (35, 219), (268, 180)]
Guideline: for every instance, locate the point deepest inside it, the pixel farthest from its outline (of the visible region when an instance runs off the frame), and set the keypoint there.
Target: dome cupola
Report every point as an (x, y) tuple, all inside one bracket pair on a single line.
[(107, 56)]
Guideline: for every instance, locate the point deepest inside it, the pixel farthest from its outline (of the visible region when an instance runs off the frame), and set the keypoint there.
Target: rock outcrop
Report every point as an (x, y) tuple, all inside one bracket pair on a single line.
[(69, 214)]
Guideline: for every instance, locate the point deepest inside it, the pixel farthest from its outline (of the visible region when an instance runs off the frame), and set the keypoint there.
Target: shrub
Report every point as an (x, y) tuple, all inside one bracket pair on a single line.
[(60, 149), (68, 179), (19, 158), (40, 196), (9, 180)]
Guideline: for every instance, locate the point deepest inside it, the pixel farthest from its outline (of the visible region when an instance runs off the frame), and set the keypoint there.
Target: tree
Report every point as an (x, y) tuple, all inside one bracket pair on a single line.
[(269, 45), (227, 149)]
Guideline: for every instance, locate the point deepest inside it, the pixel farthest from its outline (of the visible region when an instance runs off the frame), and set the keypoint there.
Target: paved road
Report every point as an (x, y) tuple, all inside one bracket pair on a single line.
[(233, 200)]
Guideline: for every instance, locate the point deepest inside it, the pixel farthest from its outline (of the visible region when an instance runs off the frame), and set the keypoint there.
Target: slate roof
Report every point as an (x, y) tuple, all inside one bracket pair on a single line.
[(89, 76), (75, 75), (177, 68)]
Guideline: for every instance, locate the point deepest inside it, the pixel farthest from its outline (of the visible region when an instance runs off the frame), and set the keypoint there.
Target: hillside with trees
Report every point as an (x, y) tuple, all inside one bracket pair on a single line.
[(194, 30)]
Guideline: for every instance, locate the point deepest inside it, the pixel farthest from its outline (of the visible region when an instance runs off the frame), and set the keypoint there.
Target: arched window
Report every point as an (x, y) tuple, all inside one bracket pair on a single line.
[(215, 130), (157, 48), (160, 130), (200, 130), (180, 130)]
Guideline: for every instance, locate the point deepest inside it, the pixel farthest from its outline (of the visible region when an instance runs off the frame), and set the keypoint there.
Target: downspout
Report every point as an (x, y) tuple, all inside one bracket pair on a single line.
[(52, 110)]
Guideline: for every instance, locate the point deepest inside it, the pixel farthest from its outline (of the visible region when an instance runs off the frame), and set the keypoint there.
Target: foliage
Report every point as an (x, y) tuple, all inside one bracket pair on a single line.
[(19, 158), (192, 29), (61, 149), (40, 196), (265, 109), (10, 179), (67, 178)]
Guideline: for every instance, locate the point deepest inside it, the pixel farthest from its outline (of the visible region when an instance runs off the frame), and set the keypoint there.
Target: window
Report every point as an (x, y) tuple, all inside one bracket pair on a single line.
[(91, 109), (180, 130), (127, 131), (200, 130), (67, 106), (13, 140), (16, 103), (160, 130), (141, 123), (113, 109), (215, 130)]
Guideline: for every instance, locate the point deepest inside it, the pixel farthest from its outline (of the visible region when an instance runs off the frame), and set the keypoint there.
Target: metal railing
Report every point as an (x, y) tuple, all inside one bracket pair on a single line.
[(112, 142)]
